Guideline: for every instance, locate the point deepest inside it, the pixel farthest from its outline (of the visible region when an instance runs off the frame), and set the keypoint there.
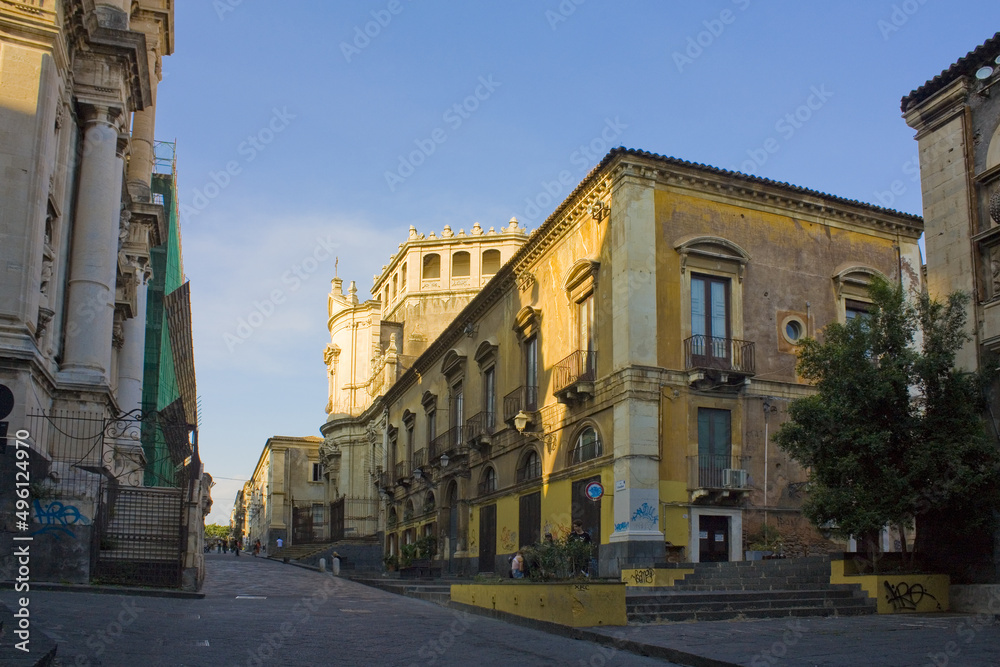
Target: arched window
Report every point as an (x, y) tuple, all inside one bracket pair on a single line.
[(429, 504), (491, 262), (408, 511), (488, 483), (461, 264), (395, 285), (393, 518), (531, 467), (588, 445), (432, 267), (402, 279)]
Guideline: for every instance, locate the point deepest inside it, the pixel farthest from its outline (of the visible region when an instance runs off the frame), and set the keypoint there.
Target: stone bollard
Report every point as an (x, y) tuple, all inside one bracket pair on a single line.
[(336, 566), (322, 565)]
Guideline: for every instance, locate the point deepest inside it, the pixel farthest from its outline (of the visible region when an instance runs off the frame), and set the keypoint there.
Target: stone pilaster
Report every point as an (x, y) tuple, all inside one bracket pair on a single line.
[(91, 297), (636, 538)]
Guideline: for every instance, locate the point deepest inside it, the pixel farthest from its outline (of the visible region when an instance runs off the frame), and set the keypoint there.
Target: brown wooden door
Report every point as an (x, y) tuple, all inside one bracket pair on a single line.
[(487, 538), (529, 523), (713, 539)]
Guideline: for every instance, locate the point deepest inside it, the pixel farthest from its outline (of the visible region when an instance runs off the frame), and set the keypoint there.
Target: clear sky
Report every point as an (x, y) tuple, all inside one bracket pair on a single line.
[(308, 130)]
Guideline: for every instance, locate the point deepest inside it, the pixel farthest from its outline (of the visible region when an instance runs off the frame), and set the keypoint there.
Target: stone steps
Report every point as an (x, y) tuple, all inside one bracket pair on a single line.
[(749, 589)]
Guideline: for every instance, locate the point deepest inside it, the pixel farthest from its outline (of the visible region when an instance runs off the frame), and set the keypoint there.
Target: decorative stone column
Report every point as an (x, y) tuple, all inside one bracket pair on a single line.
[(140, 164), (132, 355), (91, 296)]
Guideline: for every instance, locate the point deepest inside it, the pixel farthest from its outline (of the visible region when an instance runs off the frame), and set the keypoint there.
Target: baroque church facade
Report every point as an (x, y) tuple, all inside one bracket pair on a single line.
[(89, 231)]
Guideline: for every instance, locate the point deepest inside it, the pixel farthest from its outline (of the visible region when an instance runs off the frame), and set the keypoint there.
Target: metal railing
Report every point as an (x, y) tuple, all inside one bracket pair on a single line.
[(481, 424), (581, 366), (419, 458), (448, 442), (402, 470), (523, 398), (718, 472), (727, 354)]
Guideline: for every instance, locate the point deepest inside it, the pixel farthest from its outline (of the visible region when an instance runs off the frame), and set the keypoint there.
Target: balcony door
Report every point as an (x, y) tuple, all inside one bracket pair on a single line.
[(715, 446), (710, 322)]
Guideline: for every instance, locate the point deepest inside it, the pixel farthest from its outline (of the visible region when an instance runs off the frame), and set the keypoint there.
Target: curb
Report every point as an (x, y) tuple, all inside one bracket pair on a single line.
[(619, 643), (108, 590)]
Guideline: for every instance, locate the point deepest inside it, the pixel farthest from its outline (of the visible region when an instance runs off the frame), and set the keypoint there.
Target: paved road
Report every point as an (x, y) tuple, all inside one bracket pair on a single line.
[(258, 612)]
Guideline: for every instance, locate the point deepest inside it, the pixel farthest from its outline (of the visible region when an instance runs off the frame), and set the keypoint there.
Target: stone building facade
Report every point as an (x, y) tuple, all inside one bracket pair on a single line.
[(79, 224), (626, 366), (956, 116), (286, 497)]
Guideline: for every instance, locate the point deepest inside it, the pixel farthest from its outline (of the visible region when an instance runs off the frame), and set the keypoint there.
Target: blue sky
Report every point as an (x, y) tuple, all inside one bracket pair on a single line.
[(310, 130)]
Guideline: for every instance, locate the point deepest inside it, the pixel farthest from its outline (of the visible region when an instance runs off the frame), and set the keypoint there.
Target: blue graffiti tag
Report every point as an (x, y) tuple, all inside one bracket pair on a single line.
[(621, 526), (56, 517), (645, 517)]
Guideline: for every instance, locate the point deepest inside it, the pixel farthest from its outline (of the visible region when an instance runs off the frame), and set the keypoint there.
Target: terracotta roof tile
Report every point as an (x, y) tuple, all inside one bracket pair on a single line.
[(965, 66)]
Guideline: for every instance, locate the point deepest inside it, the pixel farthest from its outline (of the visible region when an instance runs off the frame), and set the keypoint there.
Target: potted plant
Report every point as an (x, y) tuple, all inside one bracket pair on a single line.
[(391, 562), (407, 553)]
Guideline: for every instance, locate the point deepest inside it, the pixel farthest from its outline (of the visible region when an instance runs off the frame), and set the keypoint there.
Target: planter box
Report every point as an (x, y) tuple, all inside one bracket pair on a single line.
[(574, 604), (897, 593)]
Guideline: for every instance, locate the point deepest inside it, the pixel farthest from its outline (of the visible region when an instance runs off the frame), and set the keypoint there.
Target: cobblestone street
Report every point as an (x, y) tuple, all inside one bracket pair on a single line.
[(259, 612)]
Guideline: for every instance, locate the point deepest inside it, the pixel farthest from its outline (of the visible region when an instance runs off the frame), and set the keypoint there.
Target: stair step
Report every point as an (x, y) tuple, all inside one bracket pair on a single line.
[(750, 613)]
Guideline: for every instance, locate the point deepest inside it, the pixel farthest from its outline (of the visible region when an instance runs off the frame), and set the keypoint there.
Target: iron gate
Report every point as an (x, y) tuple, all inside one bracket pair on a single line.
[(139, 537)]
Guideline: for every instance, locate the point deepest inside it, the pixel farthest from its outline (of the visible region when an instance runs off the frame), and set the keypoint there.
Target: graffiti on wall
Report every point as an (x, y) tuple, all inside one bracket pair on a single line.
[(645, 517), (57, 517), (508, 539), (907, 597)]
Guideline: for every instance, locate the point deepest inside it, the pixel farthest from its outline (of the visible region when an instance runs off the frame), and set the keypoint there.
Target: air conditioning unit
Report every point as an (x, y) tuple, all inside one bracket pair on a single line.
[(734, 478)]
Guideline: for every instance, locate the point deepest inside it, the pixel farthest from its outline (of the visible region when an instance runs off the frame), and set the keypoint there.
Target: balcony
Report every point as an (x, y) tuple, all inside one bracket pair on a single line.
[(419, 458), (450, 443), (573, 377), (479, 429), (710, 360), (385, 481), (721, 476), (523, 398), (402, 475)]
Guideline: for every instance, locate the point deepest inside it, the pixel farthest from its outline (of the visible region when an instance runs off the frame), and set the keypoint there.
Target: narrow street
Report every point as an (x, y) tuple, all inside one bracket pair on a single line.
[(259, 612)]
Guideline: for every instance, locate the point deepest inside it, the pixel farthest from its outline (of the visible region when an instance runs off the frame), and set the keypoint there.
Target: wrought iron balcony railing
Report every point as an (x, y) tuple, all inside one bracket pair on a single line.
[(724, 354), (718, 472), (579, 367), (523, 398), (480, 428), (419, 458), (402, 471), (450, 442)]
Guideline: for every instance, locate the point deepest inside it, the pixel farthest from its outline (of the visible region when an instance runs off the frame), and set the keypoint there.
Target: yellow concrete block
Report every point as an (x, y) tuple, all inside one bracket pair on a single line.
[(574, 604), (897, 593), (649, 576)]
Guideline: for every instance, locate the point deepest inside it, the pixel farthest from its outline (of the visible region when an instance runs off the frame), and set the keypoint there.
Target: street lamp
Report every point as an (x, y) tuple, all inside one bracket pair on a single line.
[(521, 420), (444, 460)]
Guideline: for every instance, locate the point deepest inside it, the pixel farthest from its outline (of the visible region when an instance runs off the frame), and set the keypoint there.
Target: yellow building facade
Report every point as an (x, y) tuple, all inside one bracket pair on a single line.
[(626, 368)]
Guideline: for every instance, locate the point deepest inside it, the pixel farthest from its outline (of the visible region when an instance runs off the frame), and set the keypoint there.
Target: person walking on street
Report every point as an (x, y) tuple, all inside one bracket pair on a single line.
[(256, 548)]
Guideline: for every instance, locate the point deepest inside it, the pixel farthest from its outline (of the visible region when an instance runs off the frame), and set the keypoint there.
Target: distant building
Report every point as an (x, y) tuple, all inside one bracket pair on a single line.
[(83, 221), (286, 496), (957, 119)]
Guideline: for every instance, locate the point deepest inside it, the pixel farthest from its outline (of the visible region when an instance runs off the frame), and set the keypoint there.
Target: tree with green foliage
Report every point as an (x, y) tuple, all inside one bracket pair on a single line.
[(895, 434), (214, 531)]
